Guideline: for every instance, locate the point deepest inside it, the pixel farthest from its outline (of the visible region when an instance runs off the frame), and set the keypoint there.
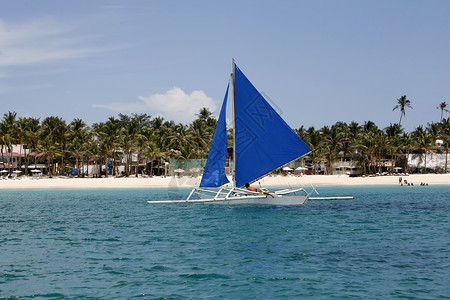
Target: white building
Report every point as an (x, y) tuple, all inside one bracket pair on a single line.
[(434, 161)]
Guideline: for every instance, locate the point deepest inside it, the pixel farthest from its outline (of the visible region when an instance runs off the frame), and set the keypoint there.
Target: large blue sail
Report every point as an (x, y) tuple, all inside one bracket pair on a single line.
[(214, 174), (264, 141)]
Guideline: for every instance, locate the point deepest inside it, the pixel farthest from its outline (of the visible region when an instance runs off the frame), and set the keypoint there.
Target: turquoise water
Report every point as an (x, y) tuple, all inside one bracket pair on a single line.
[(388, 243)]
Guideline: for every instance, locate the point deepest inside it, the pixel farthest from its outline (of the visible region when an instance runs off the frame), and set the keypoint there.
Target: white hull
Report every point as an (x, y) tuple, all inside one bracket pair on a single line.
[(281, 200)]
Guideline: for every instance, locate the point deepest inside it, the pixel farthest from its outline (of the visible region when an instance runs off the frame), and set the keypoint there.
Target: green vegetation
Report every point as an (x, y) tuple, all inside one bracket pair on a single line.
[(153, 140), (402, 103), (75, 144), (443, 108), (366, 144)]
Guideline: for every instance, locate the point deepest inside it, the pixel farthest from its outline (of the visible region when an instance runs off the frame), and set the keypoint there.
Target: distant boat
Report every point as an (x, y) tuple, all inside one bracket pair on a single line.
[(262, 142)]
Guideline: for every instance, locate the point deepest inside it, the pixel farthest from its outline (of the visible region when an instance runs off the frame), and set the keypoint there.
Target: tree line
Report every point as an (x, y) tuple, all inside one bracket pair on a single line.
[(63, 145), (366, 144)]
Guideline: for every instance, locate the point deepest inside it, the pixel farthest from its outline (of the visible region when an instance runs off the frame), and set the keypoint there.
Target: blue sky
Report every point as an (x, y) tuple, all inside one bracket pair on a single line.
[(319, 61)]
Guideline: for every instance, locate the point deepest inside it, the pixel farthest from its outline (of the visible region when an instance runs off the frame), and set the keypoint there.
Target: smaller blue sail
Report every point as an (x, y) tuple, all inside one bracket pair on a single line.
[(214, 174)]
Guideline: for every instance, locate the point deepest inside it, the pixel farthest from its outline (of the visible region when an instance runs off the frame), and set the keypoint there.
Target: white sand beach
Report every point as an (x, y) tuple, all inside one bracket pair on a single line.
[(185, 181)]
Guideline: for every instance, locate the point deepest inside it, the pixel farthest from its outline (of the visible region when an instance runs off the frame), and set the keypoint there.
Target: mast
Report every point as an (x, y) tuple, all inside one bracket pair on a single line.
[(234, 125)]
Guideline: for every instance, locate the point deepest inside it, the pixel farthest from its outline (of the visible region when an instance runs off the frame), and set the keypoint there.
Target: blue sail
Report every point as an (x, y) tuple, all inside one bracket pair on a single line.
[(214, 174), (264, 141)]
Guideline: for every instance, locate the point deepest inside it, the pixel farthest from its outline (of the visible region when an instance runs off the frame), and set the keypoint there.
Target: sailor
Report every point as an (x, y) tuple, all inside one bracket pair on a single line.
[(257, 190)]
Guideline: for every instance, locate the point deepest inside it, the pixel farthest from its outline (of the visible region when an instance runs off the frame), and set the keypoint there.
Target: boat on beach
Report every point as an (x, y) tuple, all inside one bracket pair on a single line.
[(262, 142)]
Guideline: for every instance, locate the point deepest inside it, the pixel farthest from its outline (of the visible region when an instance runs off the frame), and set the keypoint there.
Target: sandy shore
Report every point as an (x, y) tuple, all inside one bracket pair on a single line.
[(167, 182)]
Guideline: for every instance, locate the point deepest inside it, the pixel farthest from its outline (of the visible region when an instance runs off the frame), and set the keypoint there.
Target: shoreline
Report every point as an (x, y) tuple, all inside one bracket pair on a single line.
[(189, 182)]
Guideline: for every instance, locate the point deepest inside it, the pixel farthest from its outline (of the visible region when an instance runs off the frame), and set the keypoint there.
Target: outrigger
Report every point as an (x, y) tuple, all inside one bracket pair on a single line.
[(236, 195)]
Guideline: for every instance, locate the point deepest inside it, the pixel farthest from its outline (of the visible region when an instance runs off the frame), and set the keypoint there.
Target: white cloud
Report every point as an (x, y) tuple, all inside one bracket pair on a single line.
[(39, 41), (174, 105)]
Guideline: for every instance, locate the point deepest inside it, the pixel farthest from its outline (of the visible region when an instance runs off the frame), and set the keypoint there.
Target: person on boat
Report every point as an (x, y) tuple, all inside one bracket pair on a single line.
[(249, 188)]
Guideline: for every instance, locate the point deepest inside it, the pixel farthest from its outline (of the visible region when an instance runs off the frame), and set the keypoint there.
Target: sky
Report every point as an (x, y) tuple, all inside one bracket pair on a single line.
[(319, 61)]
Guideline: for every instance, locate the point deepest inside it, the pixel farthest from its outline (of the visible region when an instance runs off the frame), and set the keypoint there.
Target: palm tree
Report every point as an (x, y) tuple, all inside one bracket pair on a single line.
[(382, 146), (61, 134), (434, 130), (443, 107), (179, 138), (402, 103), (21, 127), (393, 134), (50, 149), (4, 140), (141, 139), (204, 114), (10, 123), (199, 137), (370, 126), (25, 127), (114, 130), (330, 155), (314, 139), (156, 123), (142, 143), (128, 139), (445, 135), (78, 132), (56, 130), (407, 147), (422, 142), (365, 150), (354, 129), (332, 141), (32, 140), (105, 141), (393, 130)]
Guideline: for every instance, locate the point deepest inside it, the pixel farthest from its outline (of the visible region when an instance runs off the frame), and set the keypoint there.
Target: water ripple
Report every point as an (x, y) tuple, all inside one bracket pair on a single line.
[(390, 242)]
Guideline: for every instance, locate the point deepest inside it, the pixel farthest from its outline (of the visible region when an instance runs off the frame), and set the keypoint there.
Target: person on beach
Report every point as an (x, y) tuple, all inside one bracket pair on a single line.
[(249, 188), (400, 180)]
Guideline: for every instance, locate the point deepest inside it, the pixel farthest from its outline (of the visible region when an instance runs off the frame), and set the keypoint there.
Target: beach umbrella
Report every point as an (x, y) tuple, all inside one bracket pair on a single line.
[(4, 171), (301, 168), (398, 168), (287, 169), (17, 171), (194, 171), (179, 172), (35, 171)]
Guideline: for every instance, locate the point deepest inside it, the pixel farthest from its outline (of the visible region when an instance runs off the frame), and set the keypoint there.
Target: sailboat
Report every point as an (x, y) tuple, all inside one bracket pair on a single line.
[(262, 142)]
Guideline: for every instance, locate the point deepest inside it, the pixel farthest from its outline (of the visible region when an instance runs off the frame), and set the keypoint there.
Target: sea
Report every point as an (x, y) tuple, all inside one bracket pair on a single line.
[(389, 242)]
